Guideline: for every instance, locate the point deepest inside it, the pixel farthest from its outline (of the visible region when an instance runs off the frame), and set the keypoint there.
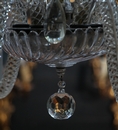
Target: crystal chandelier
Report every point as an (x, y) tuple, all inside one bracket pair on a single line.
[(58, 34)]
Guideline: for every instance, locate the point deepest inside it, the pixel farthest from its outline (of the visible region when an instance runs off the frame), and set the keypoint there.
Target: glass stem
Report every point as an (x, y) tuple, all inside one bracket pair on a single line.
[(60, 72), (61, 83)]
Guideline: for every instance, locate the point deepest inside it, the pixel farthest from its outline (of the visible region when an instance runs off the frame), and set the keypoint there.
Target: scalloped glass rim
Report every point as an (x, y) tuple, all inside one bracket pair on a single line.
[(78, 45)]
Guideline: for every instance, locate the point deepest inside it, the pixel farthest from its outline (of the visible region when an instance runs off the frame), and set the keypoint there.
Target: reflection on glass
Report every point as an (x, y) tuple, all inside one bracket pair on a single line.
[(54, 23)]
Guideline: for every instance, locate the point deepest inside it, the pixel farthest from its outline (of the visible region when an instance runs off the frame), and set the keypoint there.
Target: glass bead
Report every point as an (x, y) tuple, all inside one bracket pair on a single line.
[(61, 84)]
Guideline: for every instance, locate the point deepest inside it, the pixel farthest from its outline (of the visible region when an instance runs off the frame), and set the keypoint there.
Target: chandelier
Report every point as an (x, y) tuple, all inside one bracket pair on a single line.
[(58, 34)]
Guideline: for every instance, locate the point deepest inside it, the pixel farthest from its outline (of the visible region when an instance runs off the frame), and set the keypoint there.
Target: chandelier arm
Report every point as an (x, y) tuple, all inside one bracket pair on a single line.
[(9, 76), (110, 21)]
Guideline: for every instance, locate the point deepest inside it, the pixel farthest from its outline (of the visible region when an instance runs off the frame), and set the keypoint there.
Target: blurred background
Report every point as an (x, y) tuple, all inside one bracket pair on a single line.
[(88, 82)]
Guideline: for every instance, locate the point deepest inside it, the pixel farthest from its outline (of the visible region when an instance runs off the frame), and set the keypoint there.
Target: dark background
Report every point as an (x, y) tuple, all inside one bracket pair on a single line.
[(92, 110)]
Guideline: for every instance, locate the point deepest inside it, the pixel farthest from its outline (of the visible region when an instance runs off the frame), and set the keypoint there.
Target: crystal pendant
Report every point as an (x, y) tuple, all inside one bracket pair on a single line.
[(55, 22), (61, 105)]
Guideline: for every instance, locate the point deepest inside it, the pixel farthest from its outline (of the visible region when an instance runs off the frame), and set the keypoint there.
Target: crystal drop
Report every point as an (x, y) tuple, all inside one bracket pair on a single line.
[(61, 105), (55, 22)]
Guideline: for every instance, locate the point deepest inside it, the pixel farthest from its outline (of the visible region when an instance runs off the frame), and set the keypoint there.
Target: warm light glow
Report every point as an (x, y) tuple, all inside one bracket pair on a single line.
[(72, 1), (3, 117)]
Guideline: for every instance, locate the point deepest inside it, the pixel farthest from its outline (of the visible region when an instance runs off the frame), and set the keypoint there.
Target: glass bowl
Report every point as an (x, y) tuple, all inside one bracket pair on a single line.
[(81, 42)]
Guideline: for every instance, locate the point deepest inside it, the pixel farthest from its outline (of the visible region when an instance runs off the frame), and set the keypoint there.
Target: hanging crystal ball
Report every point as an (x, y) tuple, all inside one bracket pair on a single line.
[(61, 105)]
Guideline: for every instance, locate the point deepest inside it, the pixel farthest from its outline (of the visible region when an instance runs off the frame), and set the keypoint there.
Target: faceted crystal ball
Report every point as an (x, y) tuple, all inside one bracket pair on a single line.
[(61, 105)]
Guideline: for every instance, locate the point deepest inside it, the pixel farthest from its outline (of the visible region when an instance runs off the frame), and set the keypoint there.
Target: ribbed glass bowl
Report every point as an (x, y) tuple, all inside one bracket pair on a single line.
[(81, 42)]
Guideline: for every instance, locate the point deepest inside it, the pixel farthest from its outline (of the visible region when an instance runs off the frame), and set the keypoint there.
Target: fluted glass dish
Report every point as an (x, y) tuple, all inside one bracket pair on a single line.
[(81, 43)]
